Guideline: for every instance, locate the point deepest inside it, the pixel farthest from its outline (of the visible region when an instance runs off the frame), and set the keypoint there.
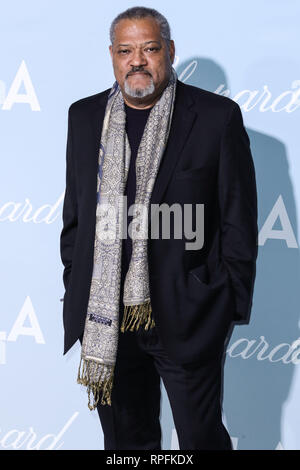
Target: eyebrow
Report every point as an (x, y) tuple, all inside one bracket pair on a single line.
[(143, 44)]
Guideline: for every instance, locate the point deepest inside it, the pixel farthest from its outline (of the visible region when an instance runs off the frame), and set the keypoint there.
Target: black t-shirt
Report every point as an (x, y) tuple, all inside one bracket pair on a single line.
[(136, 120)]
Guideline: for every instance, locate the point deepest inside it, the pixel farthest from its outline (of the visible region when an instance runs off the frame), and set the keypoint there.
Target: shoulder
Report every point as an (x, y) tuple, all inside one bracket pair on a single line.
[(208, 102), (89, 102)]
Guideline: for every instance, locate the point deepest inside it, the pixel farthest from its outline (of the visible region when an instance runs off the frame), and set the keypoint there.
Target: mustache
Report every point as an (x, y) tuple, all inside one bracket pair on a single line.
[(138, 69)]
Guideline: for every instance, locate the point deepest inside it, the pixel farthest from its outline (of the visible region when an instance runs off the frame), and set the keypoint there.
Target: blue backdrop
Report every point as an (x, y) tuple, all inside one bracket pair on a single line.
[(54, 53)]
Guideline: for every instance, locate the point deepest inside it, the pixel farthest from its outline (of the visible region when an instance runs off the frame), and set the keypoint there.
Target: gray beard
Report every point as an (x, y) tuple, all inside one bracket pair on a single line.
[(139, 92)]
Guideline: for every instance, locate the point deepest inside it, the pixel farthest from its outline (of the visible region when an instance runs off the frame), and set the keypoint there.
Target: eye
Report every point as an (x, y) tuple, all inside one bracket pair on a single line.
[(123, 51), (152, 49)]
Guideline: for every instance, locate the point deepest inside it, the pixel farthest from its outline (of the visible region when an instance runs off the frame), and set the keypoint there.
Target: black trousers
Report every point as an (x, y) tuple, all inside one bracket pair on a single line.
[(194, 391)]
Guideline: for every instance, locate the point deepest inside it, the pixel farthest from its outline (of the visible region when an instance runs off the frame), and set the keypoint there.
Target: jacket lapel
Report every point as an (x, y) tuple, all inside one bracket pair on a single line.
[(97, 117), (182, 123)]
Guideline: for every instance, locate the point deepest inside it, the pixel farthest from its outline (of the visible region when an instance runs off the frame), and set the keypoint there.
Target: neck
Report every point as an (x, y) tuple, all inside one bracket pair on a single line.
[(138, 104)]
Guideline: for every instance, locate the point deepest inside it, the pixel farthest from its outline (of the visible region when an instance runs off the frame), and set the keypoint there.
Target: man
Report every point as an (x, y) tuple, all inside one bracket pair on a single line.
[(149, 307)]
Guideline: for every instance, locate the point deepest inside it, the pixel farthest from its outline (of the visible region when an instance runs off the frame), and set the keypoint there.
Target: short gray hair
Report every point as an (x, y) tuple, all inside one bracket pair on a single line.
[(139, 13)]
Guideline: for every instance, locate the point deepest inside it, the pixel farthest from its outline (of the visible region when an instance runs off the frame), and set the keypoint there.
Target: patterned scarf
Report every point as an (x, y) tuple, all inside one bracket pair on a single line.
[(100, 339)]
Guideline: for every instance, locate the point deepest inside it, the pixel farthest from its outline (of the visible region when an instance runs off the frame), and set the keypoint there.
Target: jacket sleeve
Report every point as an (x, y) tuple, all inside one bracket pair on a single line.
[(238, 211), (69, 214)]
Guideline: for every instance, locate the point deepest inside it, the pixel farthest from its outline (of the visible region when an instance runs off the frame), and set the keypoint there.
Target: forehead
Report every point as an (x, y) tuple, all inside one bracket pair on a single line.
[(137, 30)]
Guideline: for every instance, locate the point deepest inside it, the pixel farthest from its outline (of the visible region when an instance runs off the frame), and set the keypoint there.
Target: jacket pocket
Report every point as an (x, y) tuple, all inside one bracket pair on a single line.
[(194, 173)]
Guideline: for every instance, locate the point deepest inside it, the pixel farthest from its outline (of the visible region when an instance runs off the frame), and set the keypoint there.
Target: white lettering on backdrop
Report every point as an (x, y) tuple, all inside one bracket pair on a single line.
[(48, 213), (22, 78), (286, 233), (27, 315), (26, 440), (287, 101), (262, 351)]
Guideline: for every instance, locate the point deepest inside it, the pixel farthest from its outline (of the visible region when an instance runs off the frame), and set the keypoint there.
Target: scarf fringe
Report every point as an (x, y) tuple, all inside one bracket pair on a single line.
[(136, 315), (104, 384)]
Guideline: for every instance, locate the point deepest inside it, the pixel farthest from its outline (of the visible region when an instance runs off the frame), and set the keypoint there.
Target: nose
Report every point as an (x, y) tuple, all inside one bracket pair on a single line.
[(138, 58)]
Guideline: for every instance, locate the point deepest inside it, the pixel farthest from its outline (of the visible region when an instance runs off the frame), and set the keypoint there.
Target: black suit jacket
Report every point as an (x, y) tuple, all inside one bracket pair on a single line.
[(195, 294)]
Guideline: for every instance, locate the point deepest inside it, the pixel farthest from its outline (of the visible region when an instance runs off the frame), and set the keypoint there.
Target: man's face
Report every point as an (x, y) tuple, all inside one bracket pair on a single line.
[(142, 60)]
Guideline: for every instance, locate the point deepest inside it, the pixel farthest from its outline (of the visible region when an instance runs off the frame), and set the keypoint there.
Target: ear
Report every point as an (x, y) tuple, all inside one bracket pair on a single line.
[(172, 50), (111, 51)]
